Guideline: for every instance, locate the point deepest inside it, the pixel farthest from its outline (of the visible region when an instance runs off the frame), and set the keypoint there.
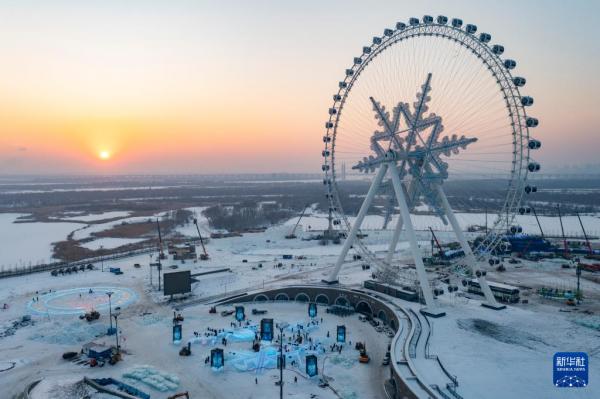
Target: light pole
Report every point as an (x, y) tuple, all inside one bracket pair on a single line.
[(281, 327), (109, 293), (116, 315), (578, 293), (102, 256)]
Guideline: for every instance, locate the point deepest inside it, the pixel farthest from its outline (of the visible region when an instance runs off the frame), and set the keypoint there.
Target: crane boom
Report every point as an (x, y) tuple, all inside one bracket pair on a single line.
[(538, 221), (437, 242), (587, 241), (203, 256), (293, 233)]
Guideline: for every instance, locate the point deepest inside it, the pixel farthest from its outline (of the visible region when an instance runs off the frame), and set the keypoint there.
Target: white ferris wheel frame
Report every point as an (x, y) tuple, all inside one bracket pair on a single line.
[(520, 124)]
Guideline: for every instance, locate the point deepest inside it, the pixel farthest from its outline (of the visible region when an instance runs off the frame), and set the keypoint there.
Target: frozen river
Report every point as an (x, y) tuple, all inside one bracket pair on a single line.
[(25, 243)]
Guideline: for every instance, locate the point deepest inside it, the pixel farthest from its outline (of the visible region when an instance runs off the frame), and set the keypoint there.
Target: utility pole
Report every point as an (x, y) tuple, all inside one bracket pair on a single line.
[(150, 267), (159, 267), (281, 327), (102, 256), (116, 316), (578, 292), (109, 293), (486, 222), (562, 229), (280, 363)]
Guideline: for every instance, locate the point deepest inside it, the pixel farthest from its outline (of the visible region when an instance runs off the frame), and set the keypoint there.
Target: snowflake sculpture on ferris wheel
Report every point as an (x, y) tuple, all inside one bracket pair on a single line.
[(419, 155)]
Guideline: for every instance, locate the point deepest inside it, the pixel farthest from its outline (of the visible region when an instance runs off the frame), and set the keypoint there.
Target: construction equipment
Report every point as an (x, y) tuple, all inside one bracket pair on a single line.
[(437, 243), (185, 395), (538, 222), (204, 254), (70, 355), (114, 359), (363, 357), (386, 359), (90, 316), (177, 318), (292, 234), (186, 350), (587, 241)]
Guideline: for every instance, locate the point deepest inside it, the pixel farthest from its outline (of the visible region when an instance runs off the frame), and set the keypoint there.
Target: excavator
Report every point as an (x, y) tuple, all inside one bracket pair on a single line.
[(185, 395), (292, 235), (204, 255)]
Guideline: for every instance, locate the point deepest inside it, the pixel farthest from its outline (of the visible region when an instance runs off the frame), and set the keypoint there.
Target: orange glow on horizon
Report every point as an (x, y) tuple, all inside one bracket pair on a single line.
[(104, 155)]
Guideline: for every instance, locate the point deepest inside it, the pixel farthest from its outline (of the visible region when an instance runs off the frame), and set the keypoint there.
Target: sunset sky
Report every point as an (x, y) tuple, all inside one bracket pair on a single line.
[(244, 86)]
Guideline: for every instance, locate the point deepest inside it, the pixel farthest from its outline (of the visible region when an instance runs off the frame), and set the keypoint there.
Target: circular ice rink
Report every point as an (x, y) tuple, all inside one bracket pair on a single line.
[(80, 300)]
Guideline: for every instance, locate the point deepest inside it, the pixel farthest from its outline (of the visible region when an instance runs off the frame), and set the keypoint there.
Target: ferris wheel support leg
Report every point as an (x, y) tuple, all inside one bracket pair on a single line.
[(394, 242), (469, 257), (431, 308), (333, 278)]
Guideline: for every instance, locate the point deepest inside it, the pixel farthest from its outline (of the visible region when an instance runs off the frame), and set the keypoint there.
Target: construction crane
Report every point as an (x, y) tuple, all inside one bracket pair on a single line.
[(292, 234), (538, 222), (204, 254), (434, 239), (562, 230), (587, 241)]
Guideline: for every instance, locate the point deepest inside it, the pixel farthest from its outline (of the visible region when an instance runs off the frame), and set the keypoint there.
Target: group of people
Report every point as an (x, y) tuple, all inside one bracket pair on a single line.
[(210, 332)]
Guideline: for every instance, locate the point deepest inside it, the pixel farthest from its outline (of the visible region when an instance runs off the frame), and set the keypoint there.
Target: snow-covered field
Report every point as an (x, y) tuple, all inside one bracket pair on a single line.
[(25, 243), (98, 216), (510, 356), (110, 242), (551, 225)]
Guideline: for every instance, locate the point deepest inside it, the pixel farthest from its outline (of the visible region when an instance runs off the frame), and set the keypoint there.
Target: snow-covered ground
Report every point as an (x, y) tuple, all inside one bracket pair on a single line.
[(494, 354), (99, 216), (550, 224), (110, 242)]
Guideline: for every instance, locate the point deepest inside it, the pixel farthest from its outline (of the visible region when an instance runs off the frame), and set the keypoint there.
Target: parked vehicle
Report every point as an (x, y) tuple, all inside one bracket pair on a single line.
[(386, 359)]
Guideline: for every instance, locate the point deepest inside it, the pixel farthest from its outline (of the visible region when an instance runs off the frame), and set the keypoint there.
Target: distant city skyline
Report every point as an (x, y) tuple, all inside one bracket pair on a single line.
[(204, 87)]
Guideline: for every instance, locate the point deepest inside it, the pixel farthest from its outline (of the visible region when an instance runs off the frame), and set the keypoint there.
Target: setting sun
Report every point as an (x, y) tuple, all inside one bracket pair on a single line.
[(104, 155)]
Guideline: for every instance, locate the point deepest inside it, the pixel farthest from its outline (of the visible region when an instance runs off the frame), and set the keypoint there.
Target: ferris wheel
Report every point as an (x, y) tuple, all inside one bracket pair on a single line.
[(431, 116)]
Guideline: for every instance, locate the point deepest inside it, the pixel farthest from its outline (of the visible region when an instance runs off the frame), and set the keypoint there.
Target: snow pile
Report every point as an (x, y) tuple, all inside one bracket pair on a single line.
[(342, 361), (69, 334), (240, 335), (251, 361), (158, 380), (62, 388)]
